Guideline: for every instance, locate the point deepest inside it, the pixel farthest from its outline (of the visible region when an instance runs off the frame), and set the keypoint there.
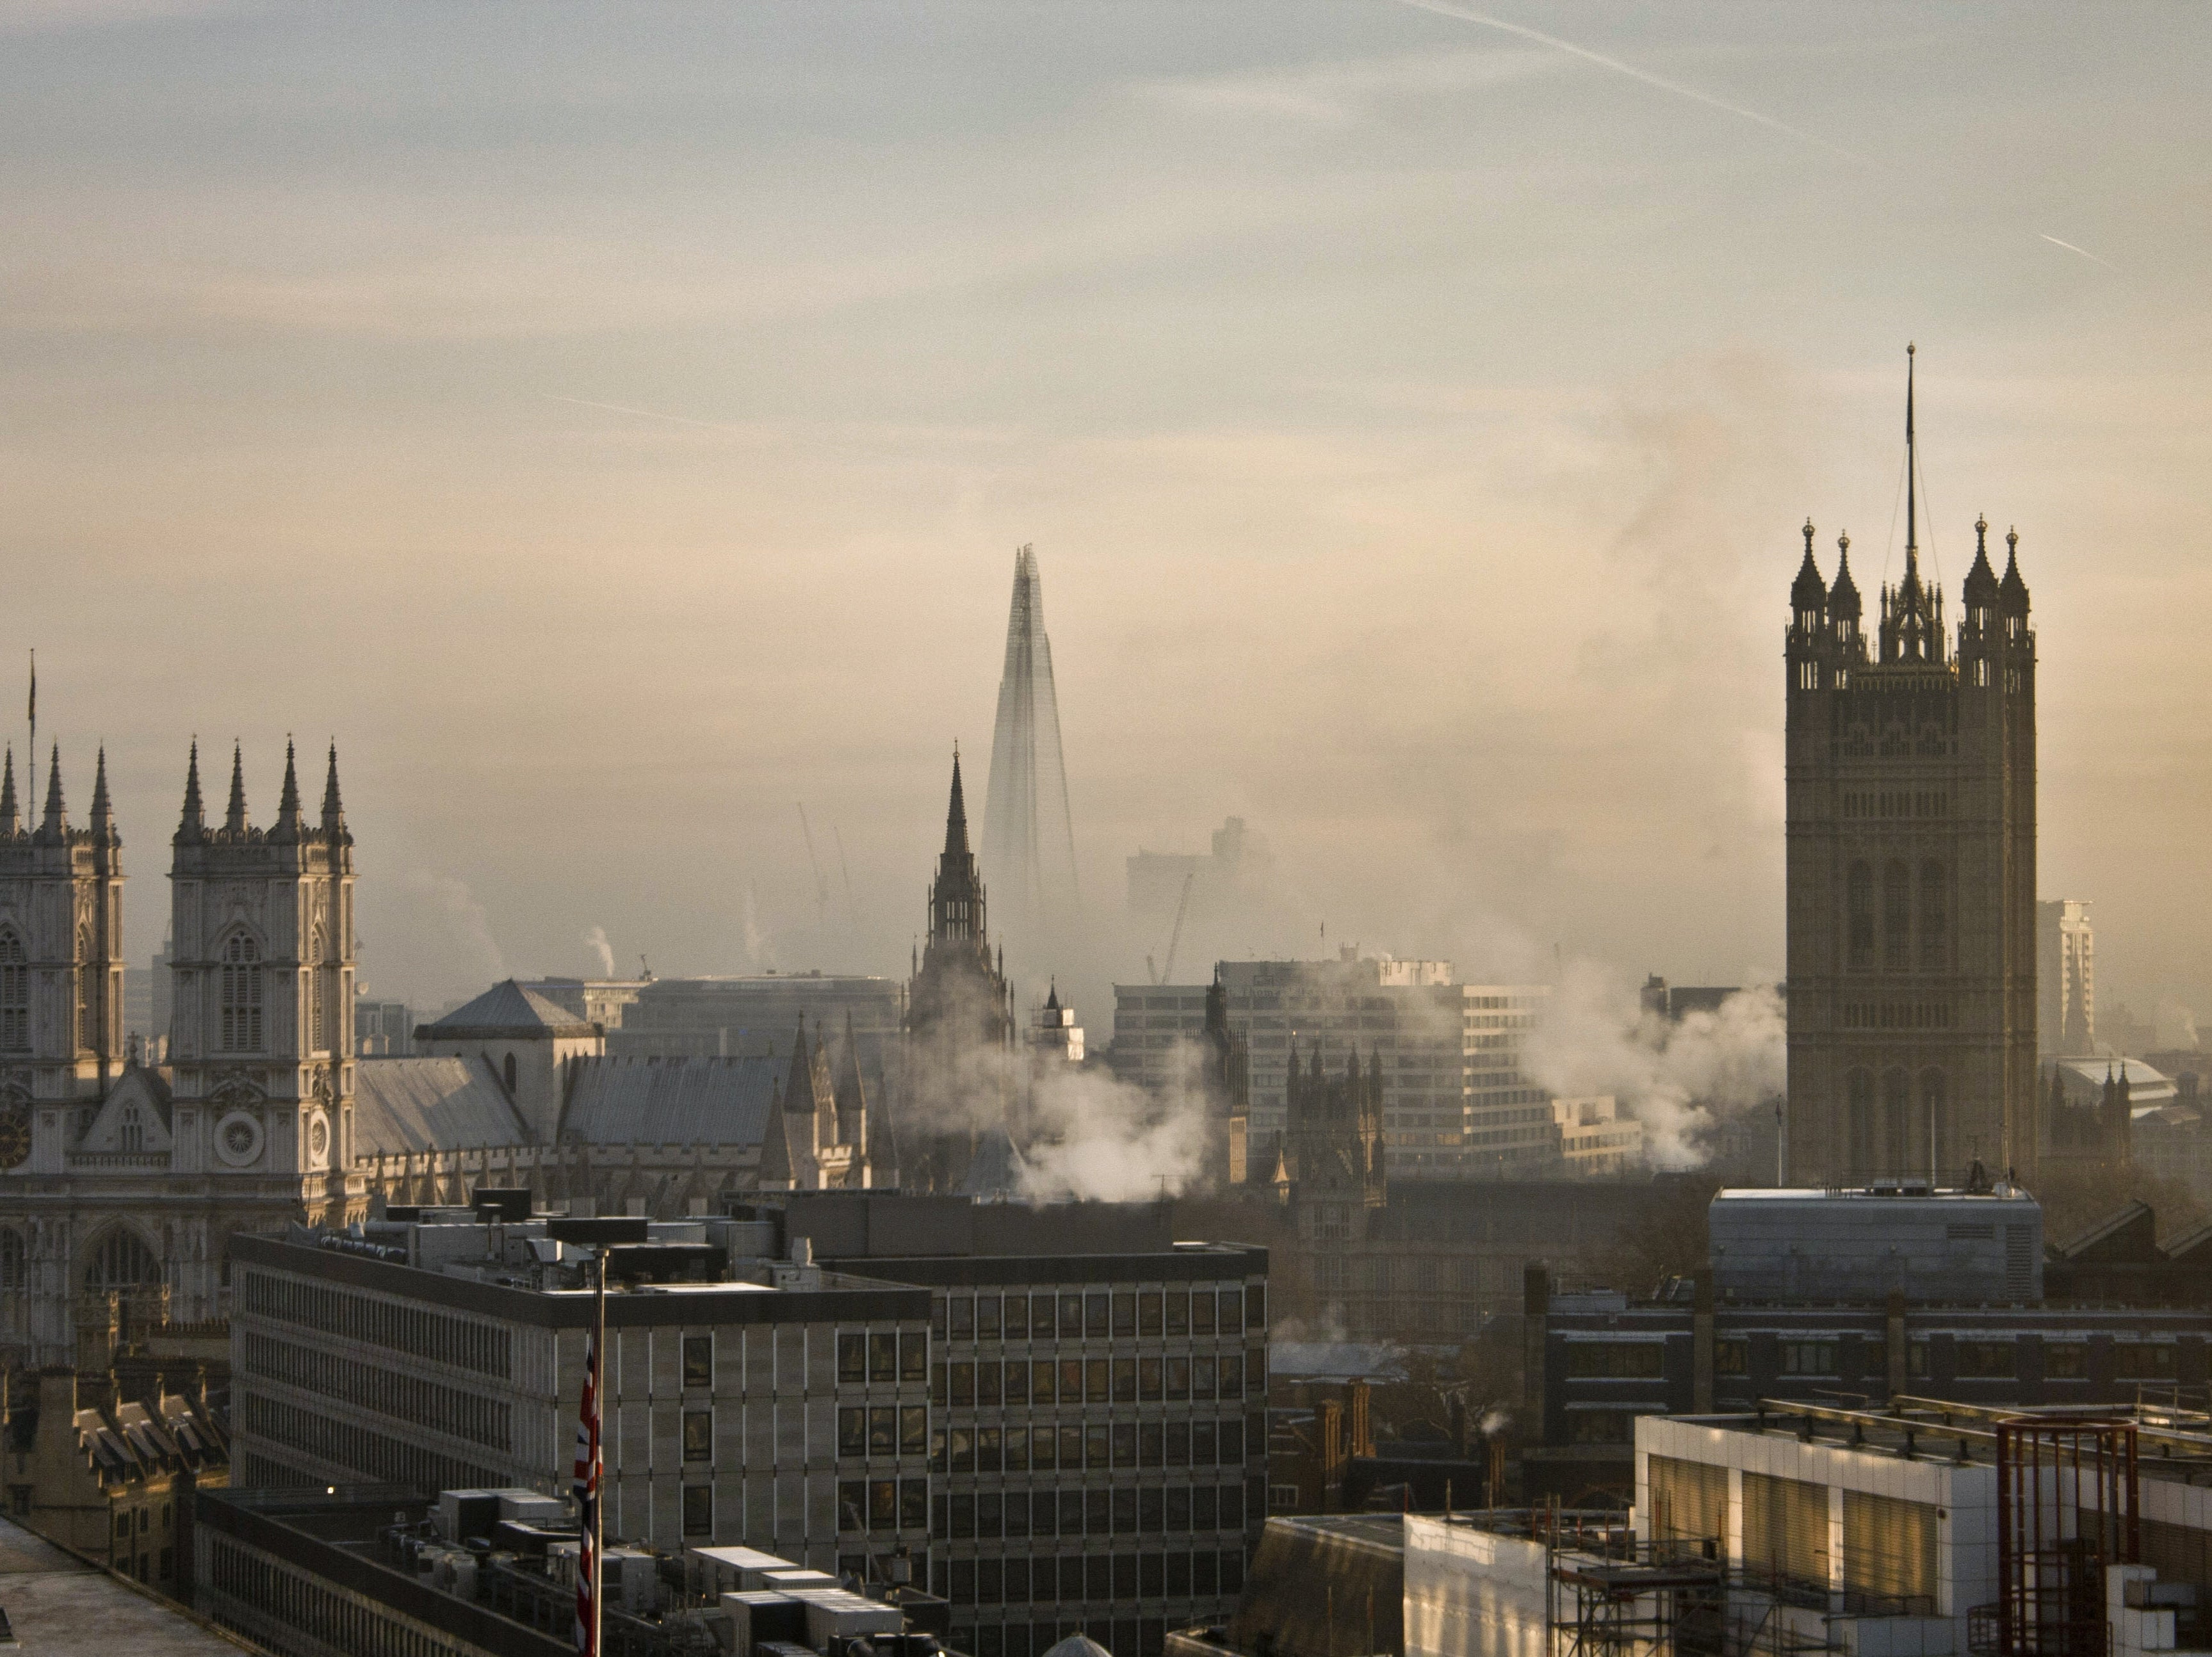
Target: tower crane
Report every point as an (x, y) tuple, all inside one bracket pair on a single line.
[(1166, 972)]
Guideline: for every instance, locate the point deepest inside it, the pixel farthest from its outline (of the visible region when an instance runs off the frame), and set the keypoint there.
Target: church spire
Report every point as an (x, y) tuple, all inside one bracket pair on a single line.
[(333, 808), (234, 819), (288, 806), (191, 828), (11, 818), (103, 810), (54, 827), (956, 814)]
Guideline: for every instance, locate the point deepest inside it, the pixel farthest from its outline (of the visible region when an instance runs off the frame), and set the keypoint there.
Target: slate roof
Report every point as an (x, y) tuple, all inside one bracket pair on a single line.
[(671, 1101), (430, 1104), (506, 1009)]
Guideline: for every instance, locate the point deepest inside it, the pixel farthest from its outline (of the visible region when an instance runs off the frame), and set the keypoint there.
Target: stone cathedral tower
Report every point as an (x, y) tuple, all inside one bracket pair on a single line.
[(1911, 873), (264, 958)]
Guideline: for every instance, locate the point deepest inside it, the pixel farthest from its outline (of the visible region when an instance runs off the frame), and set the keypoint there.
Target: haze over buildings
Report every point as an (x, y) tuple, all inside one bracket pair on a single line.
[(1381, 511)]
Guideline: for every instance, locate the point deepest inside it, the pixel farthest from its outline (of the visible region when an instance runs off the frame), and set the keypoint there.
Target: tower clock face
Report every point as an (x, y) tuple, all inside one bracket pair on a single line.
[(14, 1135)]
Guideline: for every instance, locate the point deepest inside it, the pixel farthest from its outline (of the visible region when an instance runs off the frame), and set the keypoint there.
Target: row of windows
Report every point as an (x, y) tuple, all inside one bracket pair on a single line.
[(1971, 1360), (1897, 926), (879, 1431), (1099, 1315), (1897, 803), (1142, 1510), (1097, 1381), (883, 1504), (1334, 1274), (874, 1359), (1897, 1015), (1122, 1578), (467, 1415), (295, 1602), (1911, 1129), (485, 1348), (375, 1458), (1099, 1445)]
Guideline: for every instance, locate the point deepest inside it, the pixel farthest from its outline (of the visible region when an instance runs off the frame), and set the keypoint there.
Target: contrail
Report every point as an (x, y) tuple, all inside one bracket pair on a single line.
[(2083, 251), (642, 414), (1469, 15)]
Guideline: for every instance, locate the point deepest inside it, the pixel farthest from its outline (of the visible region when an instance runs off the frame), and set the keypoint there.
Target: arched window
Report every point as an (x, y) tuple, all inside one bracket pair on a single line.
[(87, 1033), (1896, 917), (508, 1069), (241, 995), (1859, 909), (1934, 918), (1859, 1122), (1897, 1124), (122, 1261), (130, 1130), (15, 994), (14, 1277), (319, 1039)]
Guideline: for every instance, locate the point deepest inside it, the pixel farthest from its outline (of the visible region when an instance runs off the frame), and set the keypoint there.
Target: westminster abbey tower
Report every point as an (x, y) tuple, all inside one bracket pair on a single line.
[(1911, 873)]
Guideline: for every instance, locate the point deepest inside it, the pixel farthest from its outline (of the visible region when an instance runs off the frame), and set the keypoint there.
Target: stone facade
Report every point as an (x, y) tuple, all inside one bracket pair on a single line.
[(121, 1184), (1912, 877)]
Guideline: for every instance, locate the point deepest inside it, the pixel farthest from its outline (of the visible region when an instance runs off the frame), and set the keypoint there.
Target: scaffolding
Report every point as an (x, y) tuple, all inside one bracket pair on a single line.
[(1633, 1597), (2068, 1504)]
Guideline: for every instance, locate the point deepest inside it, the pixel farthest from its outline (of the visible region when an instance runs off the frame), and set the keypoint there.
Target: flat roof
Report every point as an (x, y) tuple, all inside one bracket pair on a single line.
[(60, 1606)]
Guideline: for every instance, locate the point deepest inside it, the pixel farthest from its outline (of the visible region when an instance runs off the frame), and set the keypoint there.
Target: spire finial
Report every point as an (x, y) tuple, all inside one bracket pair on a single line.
[(193, 823), (1911, 472), (1981, 532), (56, 820), (103, 813), (1808, 537), (287, 804), (234, 819), (11, 819), (333, 808)]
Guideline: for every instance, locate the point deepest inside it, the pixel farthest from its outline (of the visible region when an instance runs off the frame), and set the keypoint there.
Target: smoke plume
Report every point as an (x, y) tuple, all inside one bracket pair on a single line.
[(595, 939), (467, 926), (1094, 1136), (1679, 1078)]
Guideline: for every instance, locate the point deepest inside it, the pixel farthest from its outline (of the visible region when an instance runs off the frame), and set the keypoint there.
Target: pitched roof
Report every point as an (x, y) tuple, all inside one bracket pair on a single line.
[(671, 1101), (430, 1104), (506, 1010)]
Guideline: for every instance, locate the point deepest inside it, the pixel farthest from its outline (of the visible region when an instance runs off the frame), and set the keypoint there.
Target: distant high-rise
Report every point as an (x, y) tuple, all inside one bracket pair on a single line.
[(1028, 838), (1911, 873)]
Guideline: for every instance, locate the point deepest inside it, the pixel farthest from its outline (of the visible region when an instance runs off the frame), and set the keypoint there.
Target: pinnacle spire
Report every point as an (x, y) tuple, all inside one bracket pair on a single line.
[(288, 805), (1912, 477), (11, 818), (103, 812), (57, 817), (333, 808), (956, 814), (234, 819), (193, 824)]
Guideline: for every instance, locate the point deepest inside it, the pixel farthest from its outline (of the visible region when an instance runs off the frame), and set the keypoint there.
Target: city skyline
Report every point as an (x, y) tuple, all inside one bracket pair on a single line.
[(570, 520)]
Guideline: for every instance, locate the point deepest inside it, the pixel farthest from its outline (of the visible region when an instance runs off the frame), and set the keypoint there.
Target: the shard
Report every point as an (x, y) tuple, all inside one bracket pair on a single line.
[(1029, 840)]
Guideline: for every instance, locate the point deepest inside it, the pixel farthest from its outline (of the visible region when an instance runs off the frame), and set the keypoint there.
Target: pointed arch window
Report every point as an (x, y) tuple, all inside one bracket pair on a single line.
[(506, 1070), (1859, 917), (15, 994), (13, 1275), (1935, 917), (1897, 1124), (241, 995), (1896, 918), (130, 1130), (122, 1261), (318, 1001), (87, 1026)]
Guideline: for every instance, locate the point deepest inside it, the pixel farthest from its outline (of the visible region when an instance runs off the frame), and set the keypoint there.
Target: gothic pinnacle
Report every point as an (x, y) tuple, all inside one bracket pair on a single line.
[(288, 805), (11, 819), (956, 814), (56, 822), (333, 809), (103, 812), (193, 824), (234, 819)]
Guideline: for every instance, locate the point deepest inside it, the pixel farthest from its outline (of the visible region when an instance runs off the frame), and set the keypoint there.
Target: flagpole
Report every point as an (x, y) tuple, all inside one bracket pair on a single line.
[(599, 1472)]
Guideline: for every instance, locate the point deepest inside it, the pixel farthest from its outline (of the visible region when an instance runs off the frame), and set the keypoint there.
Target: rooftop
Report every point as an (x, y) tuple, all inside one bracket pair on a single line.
[(60, 1606)]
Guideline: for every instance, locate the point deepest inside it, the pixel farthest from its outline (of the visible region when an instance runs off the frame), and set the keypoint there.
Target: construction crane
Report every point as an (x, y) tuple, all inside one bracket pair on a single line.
[(821, 884), (1163, 974), (852, 909)]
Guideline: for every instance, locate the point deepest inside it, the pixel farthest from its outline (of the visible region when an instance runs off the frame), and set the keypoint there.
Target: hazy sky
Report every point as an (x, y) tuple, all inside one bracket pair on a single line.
[(614, 425)]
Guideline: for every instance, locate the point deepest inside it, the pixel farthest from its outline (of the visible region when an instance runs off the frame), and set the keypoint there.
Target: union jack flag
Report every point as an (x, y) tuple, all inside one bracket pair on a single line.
[(588, 1469)]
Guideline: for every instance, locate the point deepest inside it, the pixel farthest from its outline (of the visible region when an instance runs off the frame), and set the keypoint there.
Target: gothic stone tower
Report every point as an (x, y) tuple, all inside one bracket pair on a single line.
[(1911, 874), (1331, 1161), (959, 1021), (264, 958), (61, 968)]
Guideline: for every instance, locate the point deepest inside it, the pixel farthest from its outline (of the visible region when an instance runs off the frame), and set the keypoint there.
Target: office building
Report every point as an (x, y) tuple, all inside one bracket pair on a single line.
[(1028, 837), (444, 1350), (2065, 978), (1912, 950), (1098, 1428)]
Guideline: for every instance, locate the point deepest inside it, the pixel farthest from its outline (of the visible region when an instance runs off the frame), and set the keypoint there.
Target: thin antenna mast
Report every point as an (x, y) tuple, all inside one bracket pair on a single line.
[(1911, 468), (821, 882), (845, 869)]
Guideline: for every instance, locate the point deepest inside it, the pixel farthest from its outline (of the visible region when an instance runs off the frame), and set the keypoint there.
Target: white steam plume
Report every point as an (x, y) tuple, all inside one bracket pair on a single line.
[(466, 923), (1097, 1137), (1678, 1078), (595, 939), (757, 936)]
